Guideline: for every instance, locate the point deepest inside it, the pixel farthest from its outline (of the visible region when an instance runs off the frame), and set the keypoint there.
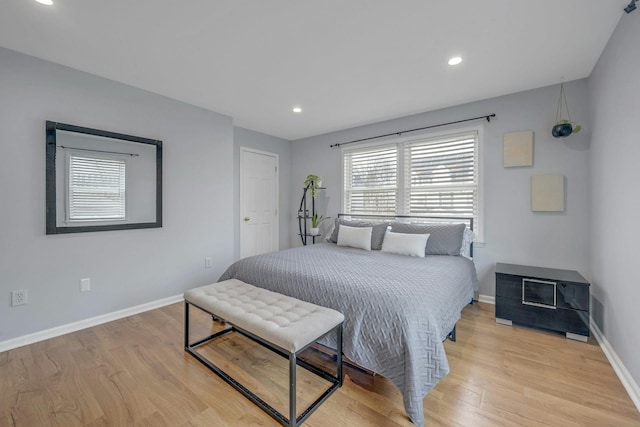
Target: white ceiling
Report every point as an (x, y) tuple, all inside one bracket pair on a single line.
[(346, 62)]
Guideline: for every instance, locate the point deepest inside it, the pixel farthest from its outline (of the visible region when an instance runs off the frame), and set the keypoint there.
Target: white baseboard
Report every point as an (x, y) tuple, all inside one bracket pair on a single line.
[(625, 377), (486, 299), (86, 323)]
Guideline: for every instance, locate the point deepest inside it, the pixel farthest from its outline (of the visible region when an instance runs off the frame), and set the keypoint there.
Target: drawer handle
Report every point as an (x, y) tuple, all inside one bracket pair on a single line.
[(539, 304)]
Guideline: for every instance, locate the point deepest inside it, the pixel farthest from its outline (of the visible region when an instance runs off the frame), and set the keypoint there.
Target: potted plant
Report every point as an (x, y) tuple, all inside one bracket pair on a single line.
[(316, 220), (313, 182), (564, 127)]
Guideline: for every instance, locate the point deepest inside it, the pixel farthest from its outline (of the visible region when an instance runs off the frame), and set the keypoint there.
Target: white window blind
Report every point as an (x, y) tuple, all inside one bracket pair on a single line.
[(371, 180), (441, 176), (96, 188), (433, 175)]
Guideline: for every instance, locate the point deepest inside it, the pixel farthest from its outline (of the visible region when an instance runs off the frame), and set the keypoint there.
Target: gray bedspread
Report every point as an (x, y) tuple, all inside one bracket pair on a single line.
[(398, 309)]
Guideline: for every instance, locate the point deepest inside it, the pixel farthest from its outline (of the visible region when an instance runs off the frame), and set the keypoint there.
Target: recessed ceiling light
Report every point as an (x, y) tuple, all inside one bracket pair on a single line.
[(455, 60), (297, 110), (47, 2)]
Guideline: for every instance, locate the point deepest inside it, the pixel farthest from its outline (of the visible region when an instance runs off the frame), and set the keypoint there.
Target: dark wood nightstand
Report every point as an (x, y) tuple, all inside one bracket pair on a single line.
[(546, 298)]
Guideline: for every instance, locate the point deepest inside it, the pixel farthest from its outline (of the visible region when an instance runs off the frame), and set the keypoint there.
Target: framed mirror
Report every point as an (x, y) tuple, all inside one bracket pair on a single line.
[(100, 181)]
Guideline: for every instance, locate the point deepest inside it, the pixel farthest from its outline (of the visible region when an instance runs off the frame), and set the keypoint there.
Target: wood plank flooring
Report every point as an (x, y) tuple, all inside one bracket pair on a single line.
[(134, 372)]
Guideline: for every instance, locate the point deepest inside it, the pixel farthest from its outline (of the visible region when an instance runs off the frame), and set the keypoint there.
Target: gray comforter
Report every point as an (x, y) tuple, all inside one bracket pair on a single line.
[(398, 309)]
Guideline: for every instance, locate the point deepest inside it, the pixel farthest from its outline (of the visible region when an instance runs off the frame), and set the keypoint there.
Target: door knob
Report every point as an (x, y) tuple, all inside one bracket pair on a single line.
[(246, 218)]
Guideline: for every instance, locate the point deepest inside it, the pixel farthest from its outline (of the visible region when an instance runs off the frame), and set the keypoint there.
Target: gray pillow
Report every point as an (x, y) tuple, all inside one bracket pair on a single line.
[(444, 239), (377, 232)]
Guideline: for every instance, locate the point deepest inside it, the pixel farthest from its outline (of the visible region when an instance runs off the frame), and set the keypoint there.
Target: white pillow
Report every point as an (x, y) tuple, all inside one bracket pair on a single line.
[(355, 237), (405, 244)]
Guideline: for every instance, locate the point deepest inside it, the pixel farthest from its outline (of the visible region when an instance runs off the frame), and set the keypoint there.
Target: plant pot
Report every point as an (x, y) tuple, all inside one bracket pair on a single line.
[(562, 130), (319, 183), (314, 231)]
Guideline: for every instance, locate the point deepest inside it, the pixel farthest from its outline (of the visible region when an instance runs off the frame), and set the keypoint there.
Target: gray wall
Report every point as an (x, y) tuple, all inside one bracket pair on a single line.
[(128, 267), (614, 88), (250, 139), (513, 233)]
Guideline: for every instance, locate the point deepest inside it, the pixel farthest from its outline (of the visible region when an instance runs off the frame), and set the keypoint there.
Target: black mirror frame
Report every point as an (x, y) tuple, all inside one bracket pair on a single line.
[(51, 217)]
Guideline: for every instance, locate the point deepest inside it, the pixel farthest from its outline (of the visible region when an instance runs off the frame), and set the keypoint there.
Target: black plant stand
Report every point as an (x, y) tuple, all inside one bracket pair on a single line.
[(304, 214)]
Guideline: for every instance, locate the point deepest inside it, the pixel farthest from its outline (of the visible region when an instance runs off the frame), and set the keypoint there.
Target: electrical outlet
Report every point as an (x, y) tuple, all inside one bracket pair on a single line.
[(208, 262), (85, 285), (18, 297)]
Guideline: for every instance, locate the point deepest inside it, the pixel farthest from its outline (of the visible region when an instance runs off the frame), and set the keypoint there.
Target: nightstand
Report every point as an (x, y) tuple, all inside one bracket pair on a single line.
[(546, 298)]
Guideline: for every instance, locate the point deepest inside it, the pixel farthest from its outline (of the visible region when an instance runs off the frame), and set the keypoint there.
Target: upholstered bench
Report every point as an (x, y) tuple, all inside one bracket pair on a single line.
[(283, 324)]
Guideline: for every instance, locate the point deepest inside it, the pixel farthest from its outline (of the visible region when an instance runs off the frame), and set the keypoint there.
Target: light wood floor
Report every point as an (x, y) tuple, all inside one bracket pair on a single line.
[(134, 372)]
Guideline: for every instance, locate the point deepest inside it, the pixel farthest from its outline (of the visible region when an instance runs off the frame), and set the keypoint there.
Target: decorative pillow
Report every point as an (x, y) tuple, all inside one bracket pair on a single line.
[(328, 232), (444, 239), (355, 237), (405, 244), (377, 234), (467, 239)]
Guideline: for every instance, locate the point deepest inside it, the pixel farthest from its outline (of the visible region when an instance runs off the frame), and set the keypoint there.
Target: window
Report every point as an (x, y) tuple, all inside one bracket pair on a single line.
[(441, 176), (96, 188), (431, 175), (371, 180)]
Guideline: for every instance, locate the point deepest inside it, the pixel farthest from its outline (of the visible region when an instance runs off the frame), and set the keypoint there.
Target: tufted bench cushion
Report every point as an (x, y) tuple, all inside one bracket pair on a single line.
[(287, 322)]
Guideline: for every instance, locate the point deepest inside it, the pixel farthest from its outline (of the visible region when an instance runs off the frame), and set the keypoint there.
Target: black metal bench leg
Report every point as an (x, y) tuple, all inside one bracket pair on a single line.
[(292, 390), (339, 355), (186, 324)]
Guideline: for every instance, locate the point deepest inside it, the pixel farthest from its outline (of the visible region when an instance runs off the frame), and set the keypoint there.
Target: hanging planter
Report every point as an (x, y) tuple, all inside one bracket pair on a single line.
[(564, 127)]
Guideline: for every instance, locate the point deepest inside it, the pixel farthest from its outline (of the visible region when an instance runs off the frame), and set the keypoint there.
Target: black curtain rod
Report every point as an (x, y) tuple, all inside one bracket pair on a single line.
[(488, 117), (97, 151)]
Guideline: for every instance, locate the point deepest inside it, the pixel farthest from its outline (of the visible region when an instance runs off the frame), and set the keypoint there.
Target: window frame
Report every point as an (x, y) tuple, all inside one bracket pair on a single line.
[(401, 142)]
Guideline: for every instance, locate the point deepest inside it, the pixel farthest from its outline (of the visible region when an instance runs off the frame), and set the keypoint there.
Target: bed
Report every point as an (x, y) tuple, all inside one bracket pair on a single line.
[(398, 309)]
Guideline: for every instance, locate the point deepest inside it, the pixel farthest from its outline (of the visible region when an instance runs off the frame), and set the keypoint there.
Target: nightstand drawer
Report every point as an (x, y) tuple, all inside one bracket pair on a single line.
[(560, 319), (568, 295)]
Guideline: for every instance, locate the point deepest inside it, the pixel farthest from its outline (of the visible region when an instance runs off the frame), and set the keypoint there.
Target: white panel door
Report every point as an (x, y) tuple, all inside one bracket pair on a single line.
[(258, 202)]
